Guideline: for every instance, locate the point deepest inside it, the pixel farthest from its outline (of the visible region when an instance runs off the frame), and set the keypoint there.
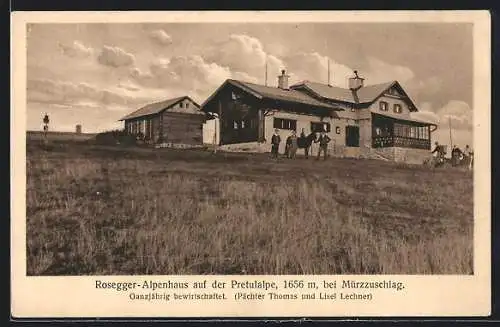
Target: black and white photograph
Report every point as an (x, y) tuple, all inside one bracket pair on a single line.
[(250, 164), (249, 148)]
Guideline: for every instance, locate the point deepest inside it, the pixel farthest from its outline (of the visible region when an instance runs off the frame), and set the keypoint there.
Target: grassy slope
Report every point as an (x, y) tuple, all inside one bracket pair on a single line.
[(192, 212)]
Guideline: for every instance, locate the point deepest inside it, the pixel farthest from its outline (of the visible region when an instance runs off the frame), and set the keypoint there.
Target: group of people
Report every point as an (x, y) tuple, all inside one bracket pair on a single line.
[(293, 143), (458, 157)]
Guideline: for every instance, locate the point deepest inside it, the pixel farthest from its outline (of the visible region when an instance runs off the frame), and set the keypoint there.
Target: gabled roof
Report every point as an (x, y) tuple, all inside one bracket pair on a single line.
[(403, 118), (274, 93), (365, 95), (156, 107)]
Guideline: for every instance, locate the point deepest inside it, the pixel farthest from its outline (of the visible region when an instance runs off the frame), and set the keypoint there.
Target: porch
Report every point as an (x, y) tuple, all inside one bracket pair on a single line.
[(398, 132)]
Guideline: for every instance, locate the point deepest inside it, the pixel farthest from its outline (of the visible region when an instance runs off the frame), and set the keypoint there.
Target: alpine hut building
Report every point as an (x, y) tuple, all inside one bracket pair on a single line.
[(173, 121), (373, 121)]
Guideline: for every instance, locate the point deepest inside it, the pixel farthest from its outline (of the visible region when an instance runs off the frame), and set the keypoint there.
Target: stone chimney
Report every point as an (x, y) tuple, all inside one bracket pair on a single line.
[(356, 82), (78, 129), (283, 80)]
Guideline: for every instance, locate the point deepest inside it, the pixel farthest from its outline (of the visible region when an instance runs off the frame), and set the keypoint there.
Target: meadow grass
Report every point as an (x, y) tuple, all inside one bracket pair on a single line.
[(94, 210)]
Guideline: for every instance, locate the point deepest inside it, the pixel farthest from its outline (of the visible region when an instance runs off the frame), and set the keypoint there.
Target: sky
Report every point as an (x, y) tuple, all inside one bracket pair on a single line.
[(94, 74)]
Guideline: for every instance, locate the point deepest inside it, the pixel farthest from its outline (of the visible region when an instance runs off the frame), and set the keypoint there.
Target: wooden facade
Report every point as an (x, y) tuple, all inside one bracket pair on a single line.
[(369, 118), (178, 122), (245, 117), (390, 132)]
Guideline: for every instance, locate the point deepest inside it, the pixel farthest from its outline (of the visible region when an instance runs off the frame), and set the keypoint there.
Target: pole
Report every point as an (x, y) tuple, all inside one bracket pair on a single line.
[(328, 71), (215, 134), (451, 141), (266, 71)]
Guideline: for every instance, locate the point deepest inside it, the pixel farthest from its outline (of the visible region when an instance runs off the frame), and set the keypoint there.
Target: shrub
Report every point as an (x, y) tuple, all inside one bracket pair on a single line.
[(116, 137)]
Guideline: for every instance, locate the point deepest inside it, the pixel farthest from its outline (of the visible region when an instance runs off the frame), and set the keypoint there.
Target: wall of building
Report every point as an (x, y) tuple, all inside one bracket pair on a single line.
[(405, 114), (406, 155), (182, 128), (140, 124), (303, 122), (211, 130), (185, 106)]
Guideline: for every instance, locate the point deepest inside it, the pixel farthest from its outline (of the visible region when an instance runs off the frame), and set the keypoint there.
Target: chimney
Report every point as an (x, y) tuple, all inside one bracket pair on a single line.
[(283, 80), (356, 82), (78, 129)]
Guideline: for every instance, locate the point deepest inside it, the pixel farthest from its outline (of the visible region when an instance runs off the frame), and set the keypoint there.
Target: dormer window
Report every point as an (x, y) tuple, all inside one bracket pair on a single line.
[(397, 108), (384, 106)]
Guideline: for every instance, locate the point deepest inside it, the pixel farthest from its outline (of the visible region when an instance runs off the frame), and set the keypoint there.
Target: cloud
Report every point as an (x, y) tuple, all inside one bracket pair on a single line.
[(313, 67), (161, 37), (115, 57), (190, 75), (67, 94), (429, 85), (428, 116), (129, 86), (458, 113), (380, 71), (76, 50), (245, 54)]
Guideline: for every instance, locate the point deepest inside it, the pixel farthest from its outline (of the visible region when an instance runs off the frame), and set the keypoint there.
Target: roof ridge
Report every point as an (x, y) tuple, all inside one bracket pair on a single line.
[(167, 102)]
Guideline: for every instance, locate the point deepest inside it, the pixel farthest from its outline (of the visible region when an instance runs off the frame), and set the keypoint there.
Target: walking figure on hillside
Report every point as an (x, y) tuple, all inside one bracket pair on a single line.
[(469, 154), (323, 141), (45, 127), (275, 144), (292, 145)]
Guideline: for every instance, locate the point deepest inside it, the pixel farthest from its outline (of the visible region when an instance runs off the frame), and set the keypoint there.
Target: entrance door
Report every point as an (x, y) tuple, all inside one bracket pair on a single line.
[(352, 136)]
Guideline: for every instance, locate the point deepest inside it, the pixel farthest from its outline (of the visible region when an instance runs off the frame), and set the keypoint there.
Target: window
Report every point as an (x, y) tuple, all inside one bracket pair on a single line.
[(337, 130), (241, 124), (285, 124), (181, 105), (320, 127), (412, 132), (187, 105), (383, 106), (397, 108)]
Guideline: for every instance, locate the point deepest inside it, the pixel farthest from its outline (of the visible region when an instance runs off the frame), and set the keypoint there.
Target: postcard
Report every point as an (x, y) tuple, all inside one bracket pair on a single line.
[(250, 164)]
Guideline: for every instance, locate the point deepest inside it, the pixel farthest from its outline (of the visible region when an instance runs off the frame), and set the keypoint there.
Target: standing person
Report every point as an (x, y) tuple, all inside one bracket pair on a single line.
[(314, 143), (466, 154), (308, 140), (323, 145), (470, 156), (292, 145), (455, 156), (436, 150), (288, 143), (301, 140), (275, 144)]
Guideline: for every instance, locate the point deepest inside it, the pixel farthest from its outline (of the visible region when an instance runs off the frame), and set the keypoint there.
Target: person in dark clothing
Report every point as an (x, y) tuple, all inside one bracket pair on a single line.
[(456, 155), (436, 149), (288, 143), (307, 142), (301, 140), (323, 145), (275, 144), (292, 143)]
